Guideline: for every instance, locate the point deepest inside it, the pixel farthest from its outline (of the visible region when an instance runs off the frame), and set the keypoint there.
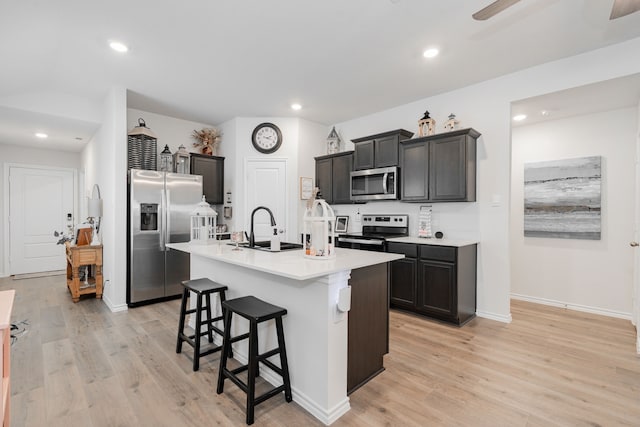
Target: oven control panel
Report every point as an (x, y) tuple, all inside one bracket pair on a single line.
[(385, 220)]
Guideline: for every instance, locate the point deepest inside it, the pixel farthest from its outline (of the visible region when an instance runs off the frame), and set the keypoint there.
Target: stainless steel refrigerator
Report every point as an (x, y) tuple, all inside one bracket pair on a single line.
[(160, 206)]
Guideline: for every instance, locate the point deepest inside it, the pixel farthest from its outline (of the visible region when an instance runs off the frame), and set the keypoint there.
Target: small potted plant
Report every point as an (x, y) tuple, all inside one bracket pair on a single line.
[(207, 140)]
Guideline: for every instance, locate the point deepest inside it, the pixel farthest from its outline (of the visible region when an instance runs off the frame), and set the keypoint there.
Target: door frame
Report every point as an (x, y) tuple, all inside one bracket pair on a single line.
[(5, 213)]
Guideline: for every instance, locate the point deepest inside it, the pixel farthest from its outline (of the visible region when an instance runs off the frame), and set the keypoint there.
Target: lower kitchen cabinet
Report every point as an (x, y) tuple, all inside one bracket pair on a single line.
[(211, 168), (435, 281), (404, 273), (368, 326)]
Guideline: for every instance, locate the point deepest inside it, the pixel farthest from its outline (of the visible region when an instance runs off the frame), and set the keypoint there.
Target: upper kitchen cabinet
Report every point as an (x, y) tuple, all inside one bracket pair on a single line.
[(378, 151), (439, 168), (333, 177), (211, 168)]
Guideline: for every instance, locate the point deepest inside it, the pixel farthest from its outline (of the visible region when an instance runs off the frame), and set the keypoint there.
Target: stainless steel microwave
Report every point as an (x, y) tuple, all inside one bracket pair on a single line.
[(374, 184)]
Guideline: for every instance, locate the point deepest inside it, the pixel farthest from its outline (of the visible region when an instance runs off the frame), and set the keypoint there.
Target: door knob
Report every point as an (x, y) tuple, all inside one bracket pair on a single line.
[(633, 244)]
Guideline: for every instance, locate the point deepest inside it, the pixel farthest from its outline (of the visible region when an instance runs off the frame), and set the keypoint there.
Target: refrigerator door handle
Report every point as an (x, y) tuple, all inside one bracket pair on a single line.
[(163, 223), (167, 215)]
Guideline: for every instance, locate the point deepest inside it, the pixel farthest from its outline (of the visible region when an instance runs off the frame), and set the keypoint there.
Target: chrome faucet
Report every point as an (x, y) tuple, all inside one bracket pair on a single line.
[(252, 238)]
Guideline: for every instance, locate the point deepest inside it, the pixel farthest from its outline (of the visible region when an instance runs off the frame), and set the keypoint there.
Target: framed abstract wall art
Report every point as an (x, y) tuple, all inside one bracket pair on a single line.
[(562, 198)]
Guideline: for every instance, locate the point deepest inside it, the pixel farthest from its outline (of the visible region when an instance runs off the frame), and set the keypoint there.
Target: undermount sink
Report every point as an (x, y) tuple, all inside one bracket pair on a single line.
[(265, 245)]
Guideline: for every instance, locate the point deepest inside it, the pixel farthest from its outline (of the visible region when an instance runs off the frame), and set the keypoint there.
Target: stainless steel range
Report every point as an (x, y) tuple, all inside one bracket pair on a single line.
[(376, 229)]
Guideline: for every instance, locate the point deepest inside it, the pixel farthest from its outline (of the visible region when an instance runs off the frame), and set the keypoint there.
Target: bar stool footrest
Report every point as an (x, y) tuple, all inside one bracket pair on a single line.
[(268, 354), (210, 350), (237, 381), (272, 366), (239, 338), (238, 370), (269, 394)]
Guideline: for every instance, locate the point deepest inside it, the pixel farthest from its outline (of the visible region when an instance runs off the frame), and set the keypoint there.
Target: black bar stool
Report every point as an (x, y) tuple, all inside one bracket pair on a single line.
[(255, 311), (201, 287)]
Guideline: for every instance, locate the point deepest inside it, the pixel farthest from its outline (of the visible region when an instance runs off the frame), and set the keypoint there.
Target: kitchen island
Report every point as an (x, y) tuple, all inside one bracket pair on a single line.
[(316, 332)]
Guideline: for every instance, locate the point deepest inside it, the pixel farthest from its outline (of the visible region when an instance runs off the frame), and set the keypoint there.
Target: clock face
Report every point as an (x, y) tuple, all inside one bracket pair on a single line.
[(266, 138)]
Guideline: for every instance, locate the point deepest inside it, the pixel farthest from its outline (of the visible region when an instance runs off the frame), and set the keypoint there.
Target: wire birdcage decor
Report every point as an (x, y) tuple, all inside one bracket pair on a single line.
[(142, 148), (203, 224), (319, 231)]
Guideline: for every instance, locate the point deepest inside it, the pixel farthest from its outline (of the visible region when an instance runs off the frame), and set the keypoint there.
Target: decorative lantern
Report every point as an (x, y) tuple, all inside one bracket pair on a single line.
[(166, 159), (319, 231), (142, 148), (452, 123), (181, 160), (426, 125), (333, 142), (203, 224)]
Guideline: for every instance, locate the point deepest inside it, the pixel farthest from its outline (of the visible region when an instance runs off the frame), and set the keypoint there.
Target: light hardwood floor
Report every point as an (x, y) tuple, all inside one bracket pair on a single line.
[(81, 365)]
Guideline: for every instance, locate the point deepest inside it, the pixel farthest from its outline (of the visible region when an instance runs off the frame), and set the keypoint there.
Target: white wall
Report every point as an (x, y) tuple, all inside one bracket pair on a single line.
[(486, 107), (104, 162), (593, 275), (10, 153), (300, 144), (312, 142)]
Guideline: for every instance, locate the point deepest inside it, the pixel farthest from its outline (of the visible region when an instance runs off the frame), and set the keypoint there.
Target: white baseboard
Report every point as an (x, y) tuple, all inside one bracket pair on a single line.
[(493, 316), (114, 307), (571, 306)]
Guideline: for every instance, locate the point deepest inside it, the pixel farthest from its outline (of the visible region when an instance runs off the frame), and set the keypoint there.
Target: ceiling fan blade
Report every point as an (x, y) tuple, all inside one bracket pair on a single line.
[(493, 9), (623, 8)]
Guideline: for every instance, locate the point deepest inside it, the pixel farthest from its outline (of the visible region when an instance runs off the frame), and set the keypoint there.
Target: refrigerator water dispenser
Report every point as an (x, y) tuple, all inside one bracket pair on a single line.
[(148, 216)]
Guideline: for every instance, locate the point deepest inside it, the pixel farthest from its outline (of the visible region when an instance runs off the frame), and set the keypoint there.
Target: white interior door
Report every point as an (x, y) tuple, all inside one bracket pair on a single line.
[(266, 185), (40, 202)]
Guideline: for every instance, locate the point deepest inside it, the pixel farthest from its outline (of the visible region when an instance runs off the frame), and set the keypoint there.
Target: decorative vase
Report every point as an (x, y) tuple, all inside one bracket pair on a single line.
[(207, 150)]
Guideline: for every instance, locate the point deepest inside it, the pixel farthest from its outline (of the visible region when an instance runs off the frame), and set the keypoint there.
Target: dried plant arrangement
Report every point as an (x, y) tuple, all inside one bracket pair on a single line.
[(207, 140)]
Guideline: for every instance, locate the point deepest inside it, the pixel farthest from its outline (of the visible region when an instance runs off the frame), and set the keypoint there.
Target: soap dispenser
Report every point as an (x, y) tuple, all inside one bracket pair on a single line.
[(275, 240)]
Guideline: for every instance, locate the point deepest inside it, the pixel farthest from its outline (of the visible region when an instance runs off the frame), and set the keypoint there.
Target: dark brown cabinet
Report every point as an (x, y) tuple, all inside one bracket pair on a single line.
[(439, 168), (211, 168), (333, 177), (436, 290), (435, 281), (404, 274), (378, 151), (368, 339)]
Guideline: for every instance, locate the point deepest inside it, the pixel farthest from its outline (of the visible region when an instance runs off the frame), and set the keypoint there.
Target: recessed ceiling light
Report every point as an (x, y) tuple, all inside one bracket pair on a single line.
[(430, 53), (519, 117), (118, 47), (296, 107), (41, 135)]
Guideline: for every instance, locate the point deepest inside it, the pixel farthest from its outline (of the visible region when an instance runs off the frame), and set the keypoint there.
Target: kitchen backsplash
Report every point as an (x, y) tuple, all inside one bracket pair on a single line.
[(455, 220)]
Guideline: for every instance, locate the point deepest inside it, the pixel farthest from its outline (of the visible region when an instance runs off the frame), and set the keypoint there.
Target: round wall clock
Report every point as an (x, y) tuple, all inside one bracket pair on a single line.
[(266, 138)]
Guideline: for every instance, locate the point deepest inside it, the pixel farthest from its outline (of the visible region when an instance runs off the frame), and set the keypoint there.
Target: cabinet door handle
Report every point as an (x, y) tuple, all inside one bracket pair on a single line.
[(633, 244)]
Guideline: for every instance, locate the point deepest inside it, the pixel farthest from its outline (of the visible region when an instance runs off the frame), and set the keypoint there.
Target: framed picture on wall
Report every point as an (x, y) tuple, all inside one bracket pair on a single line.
[(342, 222), (306, 188)]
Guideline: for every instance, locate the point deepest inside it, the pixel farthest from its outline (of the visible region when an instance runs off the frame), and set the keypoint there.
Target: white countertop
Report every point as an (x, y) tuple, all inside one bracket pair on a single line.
[(433, 241), (291, 264)]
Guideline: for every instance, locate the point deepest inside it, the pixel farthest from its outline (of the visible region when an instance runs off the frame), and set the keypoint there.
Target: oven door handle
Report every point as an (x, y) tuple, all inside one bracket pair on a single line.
[(362, 241)]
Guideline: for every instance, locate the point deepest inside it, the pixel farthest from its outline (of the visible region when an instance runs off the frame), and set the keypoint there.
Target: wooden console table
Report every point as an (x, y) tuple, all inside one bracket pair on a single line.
[(78, 256)]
